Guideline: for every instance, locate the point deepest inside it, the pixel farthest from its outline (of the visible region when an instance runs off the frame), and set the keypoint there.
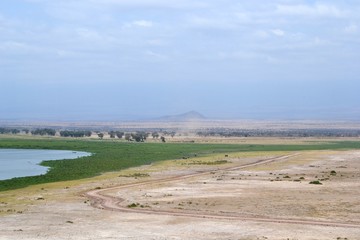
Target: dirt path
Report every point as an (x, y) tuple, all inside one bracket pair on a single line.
[(101, 200)]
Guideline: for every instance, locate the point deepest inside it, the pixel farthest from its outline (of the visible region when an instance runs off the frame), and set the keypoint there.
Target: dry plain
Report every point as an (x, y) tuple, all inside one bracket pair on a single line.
[(263, 195)]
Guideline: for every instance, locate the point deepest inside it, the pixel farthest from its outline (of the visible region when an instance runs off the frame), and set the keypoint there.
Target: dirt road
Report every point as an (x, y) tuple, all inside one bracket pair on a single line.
[(100, 198)]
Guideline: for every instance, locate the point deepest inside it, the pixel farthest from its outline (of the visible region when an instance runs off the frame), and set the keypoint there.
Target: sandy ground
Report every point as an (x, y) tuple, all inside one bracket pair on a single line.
[(275, 190)]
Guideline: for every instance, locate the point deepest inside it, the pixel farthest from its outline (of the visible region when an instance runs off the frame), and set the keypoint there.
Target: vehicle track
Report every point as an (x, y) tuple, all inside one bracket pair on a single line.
[(100, 200)]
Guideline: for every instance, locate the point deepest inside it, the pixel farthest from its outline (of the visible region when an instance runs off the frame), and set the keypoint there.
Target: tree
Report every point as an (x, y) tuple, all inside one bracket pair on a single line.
[(67, 133), (15, 131), (44, 131), (119, 134), (112, 134), (139, 136), (7, 131), (127, 136), (100, 135), (88, 133), (155, 135)]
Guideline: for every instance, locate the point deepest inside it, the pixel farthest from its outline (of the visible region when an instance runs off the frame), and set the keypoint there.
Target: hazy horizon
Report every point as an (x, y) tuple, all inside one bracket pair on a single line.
[(114, 60)]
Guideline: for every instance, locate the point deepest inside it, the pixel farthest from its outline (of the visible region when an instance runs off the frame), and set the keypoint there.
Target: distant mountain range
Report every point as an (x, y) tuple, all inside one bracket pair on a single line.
[(188, 116)]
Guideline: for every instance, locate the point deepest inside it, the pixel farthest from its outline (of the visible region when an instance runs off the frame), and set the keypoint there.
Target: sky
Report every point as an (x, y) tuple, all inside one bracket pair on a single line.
[(140, 59)]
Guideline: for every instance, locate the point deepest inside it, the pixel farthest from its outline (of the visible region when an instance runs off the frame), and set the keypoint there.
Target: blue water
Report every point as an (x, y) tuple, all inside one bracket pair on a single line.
[(24, 162)]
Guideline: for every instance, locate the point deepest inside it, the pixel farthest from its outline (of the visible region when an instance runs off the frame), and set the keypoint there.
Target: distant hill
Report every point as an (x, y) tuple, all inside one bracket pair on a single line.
[(188, 116)]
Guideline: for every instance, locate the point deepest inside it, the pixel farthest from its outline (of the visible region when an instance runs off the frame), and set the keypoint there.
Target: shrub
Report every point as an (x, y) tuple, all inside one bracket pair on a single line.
[(315, 182), (133, 205)]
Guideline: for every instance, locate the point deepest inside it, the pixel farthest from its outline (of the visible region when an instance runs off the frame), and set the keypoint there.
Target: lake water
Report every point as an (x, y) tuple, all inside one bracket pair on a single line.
[(24, 162)]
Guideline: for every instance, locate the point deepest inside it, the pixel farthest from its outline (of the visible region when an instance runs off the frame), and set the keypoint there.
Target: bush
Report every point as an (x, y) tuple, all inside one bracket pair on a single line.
[(315, 182), (133, 205)]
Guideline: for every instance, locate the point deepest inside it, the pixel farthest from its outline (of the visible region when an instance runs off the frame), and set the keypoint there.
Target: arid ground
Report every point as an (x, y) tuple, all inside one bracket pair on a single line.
[(263, 195)]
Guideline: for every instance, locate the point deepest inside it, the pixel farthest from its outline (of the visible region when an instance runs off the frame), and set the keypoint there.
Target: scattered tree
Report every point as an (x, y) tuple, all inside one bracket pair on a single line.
[(112, 134), (139, 136), (155, 135), (119, 134), (127, 136)]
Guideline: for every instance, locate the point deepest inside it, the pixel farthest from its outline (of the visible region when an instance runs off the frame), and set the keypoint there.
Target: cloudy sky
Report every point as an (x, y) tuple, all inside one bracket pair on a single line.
[(133, 59)]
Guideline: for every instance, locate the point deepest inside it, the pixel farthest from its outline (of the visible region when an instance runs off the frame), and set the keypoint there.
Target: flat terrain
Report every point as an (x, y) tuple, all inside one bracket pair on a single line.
[(245, 195)]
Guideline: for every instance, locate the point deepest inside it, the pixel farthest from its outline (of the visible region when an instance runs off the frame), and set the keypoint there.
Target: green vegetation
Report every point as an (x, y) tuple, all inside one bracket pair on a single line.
[(139, 136), (315, 182), (9, 131), (75, 133), (44, 131), (113, 156), (136, 175), (133, 205), (114, 134), (218, 162)]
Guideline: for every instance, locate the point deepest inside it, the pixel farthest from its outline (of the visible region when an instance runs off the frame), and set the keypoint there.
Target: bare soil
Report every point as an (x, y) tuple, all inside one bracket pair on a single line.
[(243, 196)]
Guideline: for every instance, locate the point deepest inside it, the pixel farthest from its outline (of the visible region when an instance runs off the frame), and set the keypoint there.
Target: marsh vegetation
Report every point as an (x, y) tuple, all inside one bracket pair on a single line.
[(109, 156)]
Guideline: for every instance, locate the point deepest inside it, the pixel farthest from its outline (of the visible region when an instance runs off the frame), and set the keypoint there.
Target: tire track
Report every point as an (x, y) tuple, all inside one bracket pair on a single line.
[(100, 200)]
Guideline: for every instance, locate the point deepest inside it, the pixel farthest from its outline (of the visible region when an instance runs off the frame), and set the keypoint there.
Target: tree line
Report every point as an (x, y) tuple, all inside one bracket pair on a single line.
[(12, 131), (142, 136), (44, 131), (138, 136), (280, 133)]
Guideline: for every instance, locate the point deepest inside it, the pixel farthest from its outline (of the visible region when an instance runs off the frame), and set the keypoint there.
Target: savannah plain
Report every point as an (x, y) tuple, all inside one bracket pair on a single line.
[(253, 195)]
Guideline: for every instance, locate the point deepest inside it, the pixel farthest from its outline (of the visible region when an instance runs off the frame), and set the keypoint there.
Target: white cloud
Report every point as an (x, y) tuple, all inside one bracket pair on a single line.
[(150, 3), (88, 34), (240, 55), (17, 47), (278, 32), (248, 57), (321, 42), (265, 34), (311, 10), (65, 53), (261, 34), (243, 17), (156, 42), (114, 31), (272, 60), (207, 22), (156, 56), (77, 5), (142, 23), (352, 28), (139, 24)]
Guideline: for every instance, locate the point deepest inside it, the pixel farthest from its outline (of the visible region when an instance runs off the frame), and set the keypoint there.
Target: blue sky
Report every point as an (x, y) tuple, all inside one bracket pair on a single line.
[(133, 59)]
